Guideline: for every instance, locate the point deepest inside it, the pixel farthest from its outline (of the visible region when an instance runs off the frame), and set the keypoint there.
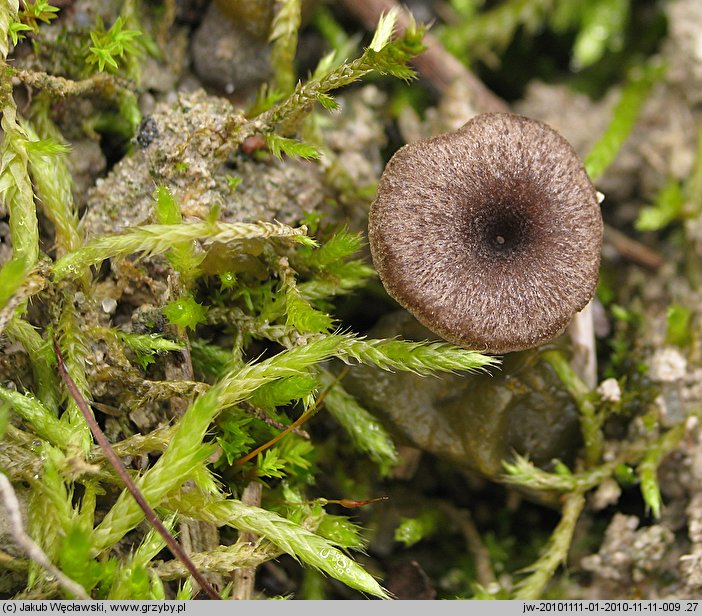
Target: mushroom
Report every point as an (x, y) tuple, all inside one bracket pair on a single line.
[(491, 235)]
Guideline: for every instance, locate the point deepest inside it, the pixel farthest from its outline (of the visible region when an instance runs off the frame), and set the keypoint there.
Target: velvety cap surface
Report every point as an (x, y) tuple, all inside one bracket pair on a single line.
[(491, 235)]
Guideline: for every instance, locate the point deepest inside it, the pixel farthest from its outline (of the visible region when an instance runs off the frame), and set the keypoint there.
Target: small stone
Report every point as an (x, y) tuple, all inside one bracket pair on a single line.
[(607, 493), (227, 57), (667, 365), (109, 305), (610, 391)]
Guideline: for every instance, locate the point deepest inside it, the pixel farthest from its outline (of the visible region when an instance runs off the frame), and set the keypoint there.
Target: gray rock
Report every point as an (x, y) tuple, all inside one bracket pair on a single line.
[(227, 57), (473, 420), (179, 146)]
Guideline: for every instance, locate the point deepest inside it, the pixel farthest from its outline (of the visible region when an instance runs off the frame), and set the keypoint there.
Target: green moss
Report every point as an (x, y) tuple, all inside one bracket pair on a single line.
[(211, 349)]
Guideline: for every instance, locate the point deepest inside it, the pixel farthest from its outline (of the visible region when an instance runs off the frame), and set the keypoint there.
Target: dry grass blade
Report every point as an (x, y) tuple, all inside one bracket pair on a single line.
[(25, 541)]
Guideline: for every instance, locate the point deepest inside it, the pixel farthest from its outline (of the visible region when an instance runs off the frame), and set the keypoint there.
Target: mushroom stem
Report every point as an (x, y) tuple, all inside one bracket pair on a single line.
[(582, 335)]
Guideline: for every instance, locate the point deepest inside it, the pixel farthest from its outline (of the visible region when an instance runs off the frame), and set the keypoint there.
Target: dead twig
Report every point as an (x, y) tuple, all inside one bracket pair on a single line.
[(102, 84), (32, 550), (436, 64), (631, 249), (121, 471), (261, 415)]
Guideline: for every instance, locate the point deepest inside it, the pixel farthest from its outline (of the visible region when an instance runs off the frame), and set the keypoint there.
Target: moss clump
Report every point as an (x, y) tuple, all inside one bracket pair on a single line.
[(203, 275)]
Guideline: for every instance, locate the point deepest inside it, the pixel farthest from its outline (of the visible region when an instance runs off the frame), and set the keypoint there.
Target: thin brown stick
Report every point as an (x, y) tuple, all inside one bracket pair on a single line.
[(631, 249), (261, 414), (436, 64), (121, 471), (297, 423)]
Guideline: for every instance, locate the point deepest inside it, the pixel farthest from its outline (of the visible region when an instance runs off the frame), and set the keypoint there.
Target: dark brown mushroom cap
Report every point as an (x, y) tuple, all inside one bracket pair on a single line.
[(490, 235)]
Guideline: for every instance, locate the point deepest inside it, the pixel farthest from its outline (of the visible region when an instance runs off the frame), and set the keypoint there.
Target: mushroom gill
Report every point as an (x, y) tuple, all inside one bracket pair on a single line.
[(490, 236)]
